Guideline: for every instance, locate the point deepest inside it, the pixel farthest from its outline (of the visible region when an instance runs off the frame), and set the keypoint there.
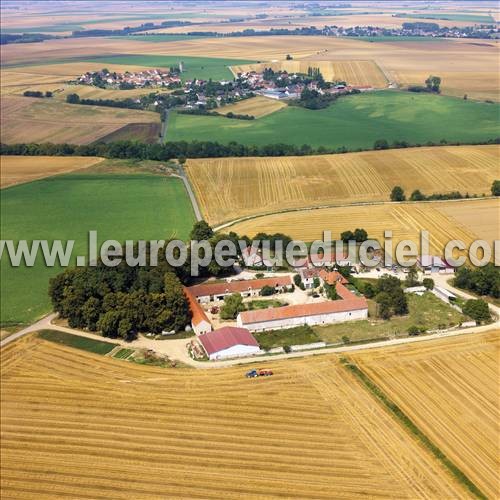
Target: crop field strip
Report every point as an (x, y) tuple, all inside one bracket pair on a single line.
[(256, 106), (316, 435), (365, 73), (230, 188), (40, 120), (458, 385), (404, 220), (20, 169)]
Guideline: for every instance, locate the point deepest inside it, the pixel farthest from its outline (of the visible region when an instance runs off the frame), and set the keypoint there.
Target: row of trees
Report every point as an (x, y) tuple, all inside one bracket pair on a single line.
[(37, 93), (185, 149), (111, 103), (358, 235), (398, 194)]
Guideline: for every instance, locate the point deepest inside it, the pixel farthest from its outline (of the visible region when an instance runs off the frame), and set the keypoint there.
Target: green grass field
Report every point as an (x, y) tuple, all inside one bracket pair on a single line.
[(83, 343), (194, 67), (426, 311), (118, 206), (354, 122), (471, 18), (299, 335)]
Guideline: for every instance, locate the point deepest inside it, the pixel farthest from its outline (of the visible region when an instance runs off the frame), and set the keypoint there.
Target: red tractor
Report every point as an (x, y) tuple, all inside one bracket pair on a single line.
[(265, 373)]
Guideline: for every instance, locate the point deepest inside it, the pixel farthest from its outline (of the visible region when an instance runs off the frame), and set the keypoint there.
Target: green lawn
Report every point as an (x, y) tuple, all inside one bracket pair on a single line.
[(472, 18), (425, 311), (83, 343), (194, 67), (354, 122), (123, 353), (287, 337), (118, 206), (263, 304)]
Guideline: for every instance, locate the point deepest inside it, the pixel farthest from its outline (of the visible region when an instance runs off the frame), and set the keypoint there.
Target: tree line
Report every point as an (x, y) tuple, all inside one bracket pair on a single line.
[(398, 194), (191, 149)]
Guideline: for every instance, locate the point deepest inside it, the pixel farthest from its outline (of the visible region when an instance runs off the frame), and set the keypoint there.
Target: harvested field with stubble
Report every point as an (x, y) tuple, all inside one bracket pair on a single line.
[(21, 169), (404, 220), (323, 435), (449, 388), (46, 120), (256, 106), (362, 73), (229, 188)]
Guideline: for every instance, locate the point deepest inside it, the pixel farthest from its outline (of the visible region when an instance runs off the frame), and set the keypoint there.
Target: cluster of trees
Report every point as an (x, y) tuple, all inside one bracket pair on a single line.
[(432, 84), (358, 235), (233, 305), (111, 103), (481, 280), (37, 93), (128, 30), (178, 149), (205, 112), (478, 310), (388, 295), (398, 194), (5, 38), (121, 301), (312, 99)]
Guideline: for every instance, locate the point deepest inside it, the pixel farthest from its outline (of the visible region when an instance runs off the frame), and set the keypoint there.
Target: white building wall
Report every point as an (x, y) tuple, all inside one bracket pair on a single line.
[(319, 319), (236, 352), (202, 327)]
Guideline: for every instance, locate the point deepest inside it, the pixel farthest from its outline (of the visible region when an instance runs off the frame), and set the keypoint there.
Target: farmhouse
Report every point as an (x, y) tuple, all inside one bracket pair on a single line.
[(199, 321), (349, 308), (213, 292), (229, 342)]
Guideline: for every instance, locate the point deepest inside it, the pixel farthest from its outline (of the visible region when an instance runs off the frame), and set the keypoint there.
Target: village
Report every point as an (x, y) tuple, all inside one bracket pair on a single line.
[(199, 94)]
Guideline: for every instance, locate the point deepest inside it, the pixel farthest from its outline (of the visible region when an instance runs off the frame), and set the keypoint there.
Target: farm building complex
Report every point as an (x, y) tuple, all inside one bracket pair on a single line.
[(348, 308)]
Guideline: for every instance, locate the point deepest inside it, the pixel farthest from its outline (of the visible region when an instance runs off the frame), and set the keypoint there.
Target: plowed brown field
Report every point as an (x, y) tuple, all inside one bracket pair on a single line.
[(78, 425), (450, 390)]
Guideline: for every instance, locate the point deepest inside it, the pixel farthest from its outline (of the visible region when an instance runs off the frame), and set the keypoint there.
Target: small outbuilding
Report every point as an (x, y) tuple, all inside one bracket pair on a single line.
[(229, 342)]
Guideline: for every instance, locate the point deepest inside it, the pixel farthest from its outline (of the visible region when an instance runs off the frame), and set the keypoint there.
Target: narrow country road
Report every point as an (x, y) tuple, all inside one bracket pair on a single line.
[(176, 349), (192, 197)]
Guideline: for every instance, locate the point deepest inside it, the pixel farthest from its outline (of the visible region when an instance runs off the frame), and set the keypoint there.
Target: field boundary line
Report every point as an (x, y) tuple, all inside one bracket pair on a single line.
[(226, 224), (194, 202), (412, 428)]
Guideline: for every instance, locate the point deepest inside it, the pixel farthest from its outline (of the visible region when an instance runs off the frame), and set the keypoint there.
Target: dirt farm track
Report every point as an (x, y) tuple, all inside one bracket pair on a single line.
[(310, 431)]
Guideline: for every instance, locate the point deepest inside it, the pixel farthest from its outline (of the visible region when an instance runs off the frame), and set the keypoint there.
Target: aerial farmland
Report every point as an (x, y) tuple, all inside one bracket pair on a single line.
[(175, 321)]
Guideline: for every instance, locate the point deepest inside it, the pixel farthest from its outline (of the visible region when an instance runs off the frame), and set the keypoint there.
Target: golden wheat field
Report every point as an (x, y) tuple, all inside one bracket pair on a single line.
[(78, 425), (256, 106), (20, 169), (229, 188), (361, 73), (455, 382), (45, 120), (404, 220)]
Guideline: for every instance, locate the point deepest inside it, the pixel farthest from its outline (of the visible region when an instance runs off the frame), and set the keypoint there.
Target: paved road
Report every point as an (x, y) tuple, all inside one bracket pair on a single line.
[(192, 197)]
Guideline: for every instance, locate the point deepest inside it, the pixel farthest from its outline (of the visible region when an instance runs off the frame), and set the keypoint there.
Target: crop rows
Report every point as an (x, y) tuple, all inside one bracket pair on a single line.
[(236, 187), (456, 384), (308, 431)]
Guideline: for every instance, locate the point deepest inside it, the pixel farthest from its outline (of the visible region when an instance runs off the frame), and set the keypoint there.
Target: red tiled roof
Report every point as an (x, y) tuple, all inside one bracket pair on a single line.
[(226, 337), (301, 310), (332, 277), (238, 286), (196, 309)]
